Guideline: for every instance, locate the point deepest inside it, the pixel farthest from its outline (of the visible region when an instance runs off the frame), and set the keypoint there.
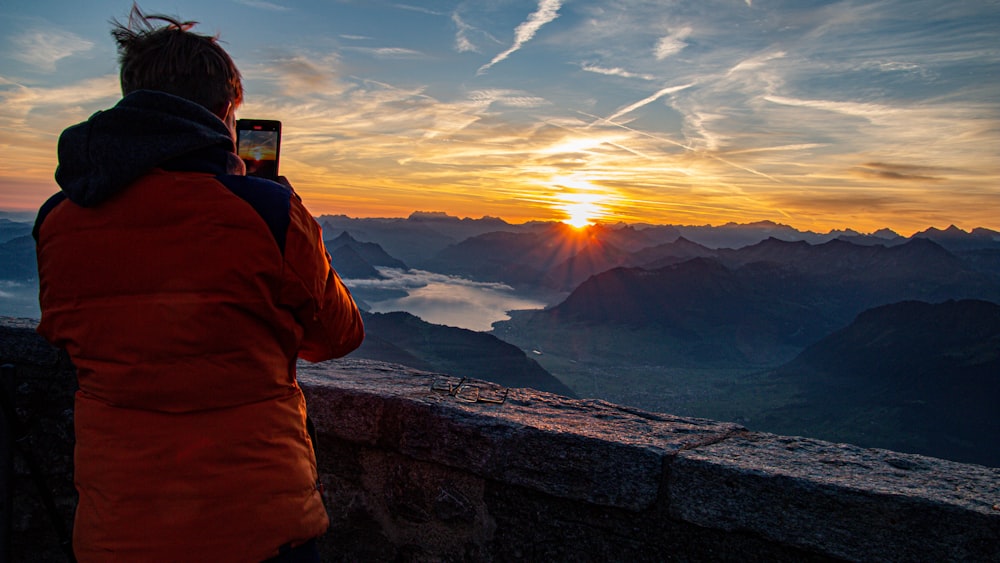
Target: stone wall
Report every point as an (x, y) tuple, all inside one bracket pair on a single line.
[(413, 473)]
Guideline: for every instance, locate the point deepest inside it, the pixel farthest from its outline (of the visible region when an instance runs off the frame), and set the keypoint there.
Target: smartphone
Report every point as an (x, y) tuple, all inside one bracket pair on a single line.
[(258, 143)]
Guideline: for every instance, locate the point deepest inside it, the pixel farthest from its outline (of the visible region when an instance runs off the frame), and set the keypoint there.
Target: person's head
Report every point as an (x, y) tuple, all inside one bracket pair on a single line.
[(172, 59)]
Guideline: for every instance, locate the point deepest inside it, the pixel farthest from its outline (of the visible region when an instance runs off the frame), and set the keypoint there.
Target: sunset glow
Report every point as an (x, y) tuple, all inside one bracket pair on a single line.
[(821, 116), (580, 214), (581, 203)]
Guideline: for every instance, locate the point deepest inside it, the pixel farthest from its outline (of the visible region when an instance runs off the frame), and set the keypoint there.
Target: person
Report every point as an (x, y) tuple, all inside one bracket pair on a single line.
[(184, 291)]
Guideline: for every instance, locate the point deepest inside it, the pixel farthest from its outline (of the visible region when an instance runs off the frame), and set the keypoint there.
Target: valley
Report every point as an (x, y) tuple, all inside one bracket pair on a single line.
[(741, 323)]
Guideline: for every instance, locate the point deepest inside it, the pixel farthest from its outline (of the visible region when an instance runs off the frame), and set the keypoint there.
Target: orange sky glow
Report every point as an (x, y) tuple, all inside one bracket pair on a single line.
[(822, 118)]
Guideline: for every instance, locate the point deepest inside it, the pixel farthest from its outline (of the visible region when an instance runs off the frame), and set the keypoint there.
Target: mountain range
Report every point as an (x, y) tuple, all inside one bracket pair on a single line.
[(833, 335), (753, 306)]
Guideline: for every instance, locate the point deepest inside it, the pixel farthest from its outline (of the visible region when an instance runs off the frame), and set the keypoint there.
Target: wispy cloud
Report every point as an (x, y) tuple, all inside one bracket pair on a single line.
[(263, 5), (671, 44), (296, 75), (616, 71), (646, 101), (445, 299), (43, 48), (32, 117), (387, 52), (20, 102), (866, 114), (420, 9), (906, 172), (462, 42), (547, 11)]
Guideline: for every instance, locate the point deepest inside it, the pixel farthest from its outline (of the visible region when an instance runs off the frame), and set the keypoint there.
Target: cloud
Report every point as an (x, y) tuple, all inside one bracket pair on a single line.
[(646, 101), (907, 172), (616, 71), (509, 98), (418, 9), (297, 74), (263, 5), (387, 52), (20, 102), (671, 44), (547, 11), (446, 300), (31, 118), (42, 49), (462, 42), (756, 62)]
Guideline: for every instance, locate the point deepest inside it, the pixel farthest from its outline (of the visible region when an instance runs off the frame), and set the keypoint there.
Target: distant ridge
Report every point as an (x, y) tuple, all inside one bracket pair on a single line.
[(371, 252), (351, 266), (17, 259), (750, 306), (405, 339)]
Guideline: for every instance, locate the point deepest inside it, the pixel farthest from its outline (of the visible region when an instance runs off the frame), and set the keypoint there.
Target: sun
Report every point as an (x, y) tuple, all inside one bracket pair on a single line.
[(581, 208), (580, 214)]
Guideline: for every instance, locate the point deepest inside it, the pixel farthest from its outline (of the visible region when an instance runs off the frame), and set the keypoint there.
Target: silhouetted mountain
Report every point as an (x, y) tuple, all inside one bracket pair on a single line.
[(885, 237), (350, 265), (955, 239), (707, 314), (13, 229), (370, 252), (551, 255), (595, 257), (861, 277), (910, 376), (754, 305), (737, 235), (457, 228), (656, 234), (410, 242), (513, 258), (544, 253), (418, 237), (986, 260), (680, 250), (626, 237), (17, 259), (405, 339)]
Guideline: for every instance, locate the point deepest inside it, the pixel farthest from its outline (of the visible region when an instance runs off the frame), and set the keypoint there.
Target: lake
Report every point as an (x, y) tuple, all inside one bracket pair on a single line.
[(447, 300)]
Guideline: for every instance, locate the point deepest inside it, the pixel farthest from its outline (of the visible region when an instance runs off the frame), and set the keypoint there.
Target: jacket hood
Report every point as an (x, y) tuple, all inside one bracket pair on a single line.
[(145, 130)]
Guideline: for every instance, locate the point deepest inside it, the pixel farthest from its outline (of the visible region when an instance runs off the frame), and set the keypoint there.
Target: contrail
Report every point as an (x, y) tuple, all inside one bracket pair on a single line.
[(547, 11), (643, 102), (681, 145)]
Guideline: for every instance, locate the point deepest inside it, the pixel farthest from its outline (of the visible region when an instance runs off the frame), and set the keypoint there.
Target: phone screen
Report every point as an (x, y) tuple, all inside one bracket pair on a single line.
[(258, 143)]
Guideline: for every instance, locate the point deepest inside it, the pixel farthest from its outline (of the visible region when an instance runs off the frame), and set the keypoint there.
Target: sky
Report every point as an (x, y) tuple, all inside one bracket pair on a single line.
[(816, 114)]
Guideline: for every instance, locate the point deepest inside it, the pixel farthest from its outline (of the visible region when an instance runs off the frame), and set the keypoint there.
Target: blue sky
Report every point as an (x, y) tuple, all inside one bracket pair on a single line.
[(816, 114)]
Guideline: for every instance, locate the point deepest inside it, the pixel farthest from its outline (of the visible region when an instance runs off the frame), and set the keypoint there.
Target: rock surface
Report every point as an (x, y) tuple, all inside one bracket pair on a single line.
[(413, 473)]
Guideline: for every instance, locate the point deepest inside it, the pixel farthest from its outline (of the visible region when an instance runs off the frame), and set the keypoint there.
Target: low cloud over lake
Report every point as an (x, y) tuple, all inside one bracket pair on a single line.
[(445, 300)]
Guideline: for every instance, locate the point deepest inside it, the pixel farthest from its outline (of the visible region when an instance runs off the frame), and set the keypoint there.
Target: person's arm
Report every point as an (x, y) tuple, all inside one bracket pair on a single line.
[(322, 304)]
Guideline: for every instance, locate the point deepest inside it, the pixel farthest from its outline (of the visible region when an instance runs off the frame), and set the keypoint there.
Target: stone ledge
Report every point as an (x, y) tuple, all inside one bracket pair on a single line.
[(842, 500), (421, 476), (585, 450), (837, 500)]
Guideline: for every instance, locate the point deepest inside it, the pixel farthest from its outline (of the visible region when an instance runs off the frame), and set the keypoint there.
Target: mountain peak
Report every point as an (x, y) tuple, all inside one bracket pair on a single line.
[(886, 233), (344, 238), (431, 216)]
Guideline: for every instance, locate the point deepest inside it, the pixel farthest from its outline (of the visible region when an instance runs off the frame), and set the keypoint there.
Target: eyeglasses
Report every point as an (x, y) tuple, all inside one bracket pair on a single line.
[(469, 393)]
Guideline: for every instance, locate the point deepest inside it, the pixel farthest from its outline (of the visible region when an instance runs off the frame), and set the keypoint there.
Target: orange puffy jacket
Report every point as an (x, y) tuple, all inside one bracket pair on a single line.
[(183, 295)]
